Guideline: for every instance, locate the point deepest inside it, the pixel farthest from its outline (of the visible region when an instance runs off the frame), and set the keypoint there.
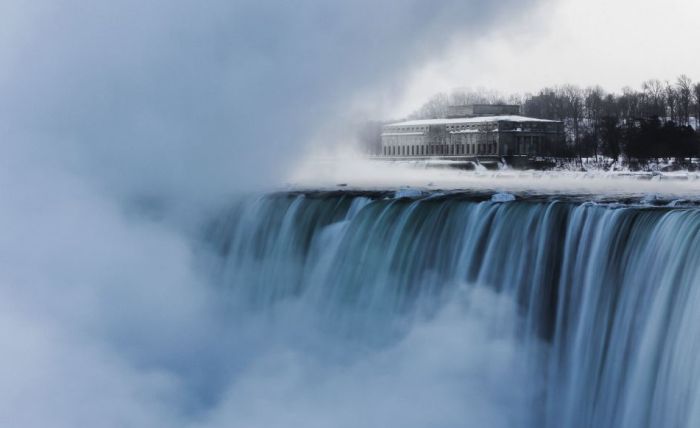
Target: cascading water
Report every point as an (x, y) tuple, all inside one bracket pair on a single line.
[(538, 313)]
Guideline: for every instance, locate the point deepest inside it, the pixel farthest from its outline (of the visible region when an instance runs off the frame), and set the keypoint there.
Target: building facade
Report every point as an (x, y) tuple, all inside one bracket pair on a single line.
[(473, 135)]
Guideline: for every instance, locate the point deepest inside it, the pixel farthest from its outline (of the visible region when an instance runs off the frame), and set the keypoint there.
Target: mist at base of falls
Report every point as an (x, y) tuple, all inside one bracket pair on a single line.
[(366, 310)]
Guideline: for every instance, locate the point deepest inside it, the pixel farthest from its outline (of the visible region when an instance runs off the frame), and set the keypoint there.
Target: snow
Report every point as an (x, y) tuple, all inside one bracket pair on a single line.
[(440, 175), (480, 119), (466, 131), (402, 134)]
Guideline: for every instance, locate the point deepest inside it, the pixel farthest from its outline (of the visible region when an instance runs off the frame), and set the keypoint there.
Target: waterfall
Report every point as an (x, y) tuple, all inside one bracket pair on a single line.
[(598, 303)]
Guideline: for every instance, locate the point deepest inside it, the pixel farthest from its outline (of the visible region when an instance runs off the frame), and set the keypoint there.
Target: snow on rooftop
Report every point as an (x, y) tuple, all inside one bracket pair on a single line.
[(402, 134), (479, 119)]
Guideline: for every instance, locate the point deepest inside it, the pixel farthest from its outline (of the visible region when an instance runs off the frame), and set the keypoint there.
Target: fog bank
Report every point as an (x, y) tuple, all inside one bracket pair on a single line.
[(117, 118)]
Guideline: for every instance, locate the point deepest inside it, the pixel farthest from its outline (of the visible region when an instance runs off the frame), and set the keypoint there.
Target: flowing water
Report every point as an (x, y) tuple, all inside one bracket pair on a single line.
[(455, 310)]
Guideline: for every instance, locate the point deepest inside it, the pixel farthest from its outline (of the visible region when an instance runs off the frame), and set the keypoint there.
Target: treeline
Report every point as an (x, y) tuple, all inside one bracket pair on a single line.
[(658, 120)]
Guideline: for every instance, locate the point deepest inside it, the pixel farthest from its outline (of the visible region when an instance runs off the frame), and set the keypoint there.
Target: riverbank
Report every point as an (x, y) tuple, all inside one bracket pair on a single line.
[(362, 174)]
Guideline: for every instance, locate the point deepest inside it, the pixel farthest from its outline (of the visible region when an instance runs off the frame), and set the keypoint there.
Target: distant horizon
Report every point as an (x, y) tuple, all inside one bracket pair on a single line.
[(518, 97)]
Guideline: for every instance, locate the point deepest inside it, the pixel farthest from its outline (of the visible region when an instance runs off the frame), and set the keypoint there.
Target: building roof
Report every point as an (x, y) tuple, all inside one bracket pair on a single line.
[(402, 134), (480, 119)]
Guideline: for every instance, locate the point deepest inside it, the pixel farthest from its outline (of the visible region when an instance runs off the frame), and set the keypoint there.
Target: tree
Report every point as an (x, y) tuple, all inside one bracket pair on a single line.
[(434, 108), (629, 103), (684, 87), (696, 92), (643, 141), (609, 106), (573, 102), (672, 102), (654, 97), (464, 96), (547, 104), (593, 110), (611, 137)]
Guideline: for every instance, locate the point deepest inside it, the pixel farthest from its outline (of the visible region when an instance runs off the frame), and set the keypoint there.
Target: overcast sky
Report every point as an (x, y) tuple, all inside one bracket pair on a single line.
[(614, 43)]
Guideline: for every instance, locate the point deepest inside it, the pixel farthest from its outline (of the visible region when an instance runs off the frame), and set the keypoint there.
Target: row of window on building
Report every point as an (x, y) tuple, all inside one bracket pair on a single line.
[(465, 127), (442, 149), (408, 129)]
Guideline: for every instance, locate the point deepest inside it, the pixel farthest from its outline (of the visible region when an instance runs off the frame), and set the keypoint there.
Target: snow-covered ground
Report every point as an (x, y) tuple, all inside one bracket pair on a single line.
[(365, 174)]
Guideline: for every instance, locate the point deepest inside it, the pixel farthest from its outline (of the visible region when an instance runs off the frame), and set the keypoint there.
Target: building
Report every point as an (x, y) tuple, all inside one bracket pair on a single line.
[(473, 131)]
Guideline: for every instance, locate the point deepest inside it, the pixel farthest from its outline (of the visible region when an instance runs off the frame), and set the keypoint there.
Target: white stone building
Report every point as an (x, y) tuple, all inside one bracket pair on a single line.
[(470, 137)]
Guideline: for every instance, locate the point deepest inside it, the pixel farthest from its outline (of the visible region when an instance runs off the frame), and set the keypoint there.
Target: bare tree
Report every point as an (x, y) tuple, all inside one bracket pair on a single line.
[(547, 104), (655, 98), (464, 96), (630, 103), (573, 102), (435, 107), (593, 104), (671, 101), (696, 93), (684, 87), (516, 99), (609, 106)]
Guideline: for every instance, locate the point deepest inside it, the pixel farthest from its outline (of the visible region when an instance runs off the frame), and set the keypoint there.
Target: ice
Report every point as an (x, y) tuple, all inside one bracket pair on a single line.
[(503, 197), (408, 193)]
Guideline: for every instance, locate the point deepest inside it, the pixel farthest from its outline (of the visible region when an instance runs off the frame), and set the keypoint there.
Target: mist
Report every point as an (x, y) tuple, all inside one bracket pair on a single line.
[(182, 99), (123, 125)]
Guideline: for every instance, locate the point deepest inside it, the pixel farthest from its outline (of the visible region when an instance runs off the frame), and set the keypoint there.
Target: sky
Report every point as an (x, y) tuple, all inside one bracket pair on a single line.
[(614, 44)]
